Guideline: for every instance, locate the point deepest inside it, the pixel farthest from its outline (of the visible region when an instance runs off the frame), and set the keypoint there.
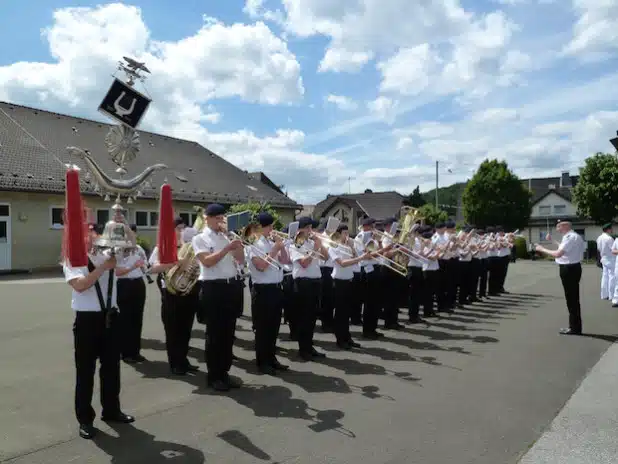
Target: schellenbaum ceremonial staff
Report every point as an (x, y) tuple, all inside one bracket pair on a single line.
[(95, 330), (568, 256)]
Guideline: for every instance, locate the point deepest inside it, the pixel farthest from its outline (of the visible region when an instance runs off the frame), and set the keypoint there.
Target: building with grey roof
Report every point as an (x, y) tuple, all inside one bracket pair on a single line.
[(350, 208), (32, 170)]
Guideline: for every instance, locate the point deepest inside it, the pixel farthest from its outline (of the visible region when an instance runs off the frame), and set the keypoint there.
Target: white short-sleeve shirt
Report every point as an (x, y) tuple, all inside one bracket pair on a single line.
[(573, 246), (130, 261), (296, 254), (209, 242), (340, 272), (270, 275), (430, 265), (88, 300), (605, 244)]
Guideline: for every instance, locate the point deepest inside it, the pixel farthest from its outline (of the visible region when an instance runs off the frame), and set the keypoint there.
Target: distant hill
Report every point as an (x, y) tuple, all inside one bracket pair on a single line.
[(450, 195)]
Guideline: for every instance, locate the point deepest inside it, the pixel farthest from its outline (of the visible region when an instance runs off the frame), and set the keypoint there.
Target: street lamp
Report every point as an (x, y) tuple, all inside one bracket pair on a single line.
[(614, 142)]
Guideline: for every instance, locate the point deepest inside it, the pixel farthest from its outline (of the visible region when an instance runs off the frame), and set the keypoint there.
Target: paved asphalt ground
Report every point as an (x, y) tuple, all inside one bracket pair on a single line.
[(476, 387)]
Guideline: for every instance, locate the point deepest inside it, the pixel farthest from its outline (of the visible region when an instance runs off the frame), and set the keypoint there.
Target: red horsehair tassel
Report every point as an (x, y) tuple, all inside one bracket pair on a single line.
[(166, 240), (75, 229)]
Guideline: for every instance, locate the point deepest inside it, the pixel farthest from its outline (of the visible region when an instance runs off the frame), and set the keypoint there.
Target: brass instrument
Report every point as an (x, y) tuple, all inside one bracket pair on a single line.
[(248, 236), (180, 280), (300, 240), (372, 246)]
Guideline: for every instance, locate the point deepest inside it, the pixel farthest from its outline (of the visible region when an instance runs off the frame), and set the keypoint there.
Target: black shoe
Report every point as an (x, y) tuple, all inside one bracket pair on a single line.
[(232, 381), (130, 360), (305, 356), (344, 345), (280, 367), (235, 358), (316, 354), (191, 368), (87, 431), (570, 332), (267, 370), (429, 314), (353, 344), (371, 336), (179, 371), (219, 385), (393, 326), (119, 417)]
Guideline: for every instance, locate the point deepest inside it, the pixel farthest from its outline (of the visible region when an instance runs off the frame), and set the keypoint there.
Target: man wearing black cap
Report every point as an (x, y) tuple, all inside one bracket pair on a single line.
[(218, 287), (605, 243), (370, 280), (326, 294), (479, 266), (305, 255), (266, 259), (440, 241)]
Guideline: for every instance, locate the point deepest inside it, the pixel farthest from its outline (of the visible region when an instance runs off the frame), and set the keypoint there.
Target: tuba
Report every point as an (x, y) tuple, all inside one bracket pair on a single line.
[(179, 281)]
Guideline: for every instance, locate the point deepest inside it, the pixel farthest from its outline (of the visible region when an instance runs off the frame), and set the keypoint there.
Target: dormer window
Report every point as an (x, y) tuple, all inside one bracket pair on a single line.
[(552, 186)]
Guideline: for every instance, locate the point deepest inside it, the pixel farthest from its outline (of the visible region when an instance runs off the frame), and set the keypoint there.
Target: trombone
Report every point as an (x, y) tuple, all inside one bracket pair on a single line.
[(247, 239), (300, 240), (372, 247)]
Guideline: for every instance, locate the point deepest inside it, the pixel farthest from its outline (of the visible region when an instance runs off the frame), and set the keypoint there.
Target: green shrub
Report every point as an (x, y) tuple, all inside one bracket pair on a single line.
[(144, 243), (521, 248)]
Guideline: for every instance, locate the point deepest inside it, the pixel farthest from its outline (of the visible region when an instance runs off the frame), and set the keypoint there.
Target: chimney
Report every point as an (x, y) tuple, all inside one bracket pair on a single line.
[(565, 179)]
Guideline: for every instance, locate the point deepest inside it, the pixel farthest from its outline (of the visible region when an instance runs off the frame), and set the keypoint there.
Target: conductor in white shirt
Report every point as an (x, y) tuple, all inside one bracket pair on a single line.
[(605, 243), (218, 294), (568, 256)]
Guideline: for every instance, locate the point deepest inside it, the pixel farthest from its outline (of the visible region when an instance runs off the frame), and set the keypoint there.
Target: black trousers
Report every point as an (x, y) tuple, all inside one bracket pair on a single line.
[(92, 341), (466, 276), (504, 270), (570, 275), (429, 289), (391, 287), (494, 271), (218, 300), (371, 311), (131, 301), (327, 298), (358, 297), (342, 293), (266, 306), (308, 302), (288, 298), (415, 291), (483, 277), (444, 279), (476, 277), (454, 282), (178, 314)]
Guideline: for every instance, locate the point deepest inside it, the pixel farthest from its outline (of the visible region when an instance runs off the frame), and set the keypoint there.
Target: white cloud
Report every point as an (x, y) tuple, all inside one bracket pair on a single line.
[(342, 102), (495, 115), (596, 29)]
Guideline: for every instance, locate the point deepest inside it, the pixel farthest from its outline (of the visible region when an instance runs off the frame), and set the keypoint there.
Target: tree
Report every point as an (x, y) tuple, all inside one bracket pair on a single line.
[(496, 196), (431, 214), (415, 199), (596, 191), (256, 208)]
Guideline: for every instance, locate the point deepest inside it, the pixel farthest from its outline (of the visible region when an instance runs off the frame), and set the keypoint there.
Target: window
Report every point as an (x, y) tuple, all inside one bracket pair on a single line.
[(189, 218), (542, 235), (559, 209), (146, 218), (581, 232), (4, 210), (57, 217), (102, 216), (4, 236), (544, 210)]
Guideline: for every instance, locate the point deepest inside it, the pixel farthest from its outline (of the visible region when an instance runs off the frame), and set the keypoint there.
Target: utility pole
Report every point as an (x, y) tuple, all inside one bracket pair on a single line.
[(437, 163), (349, 185)]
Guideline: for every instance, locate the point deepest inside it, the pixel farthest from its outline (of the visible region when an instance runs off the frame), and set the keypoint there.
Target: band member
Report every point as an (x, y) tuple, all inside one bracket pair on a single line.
[(440, 241), (131, 301), (95, 329), (415, 284), (288, 285), (218, 287), (605, 243), (370, 281), (465, 269), (391, 282), (431, 274), (504, 258), (343, 260), (177, 311), (266, 259), (477, 264), (326, 296), (305, 255), (493, 267), (568, 256)]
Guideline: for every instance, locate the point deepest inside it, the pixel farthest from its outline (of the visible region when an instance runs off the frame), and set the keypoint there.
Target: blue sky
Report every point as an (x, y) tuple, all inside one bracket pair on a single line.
[(316, 92)]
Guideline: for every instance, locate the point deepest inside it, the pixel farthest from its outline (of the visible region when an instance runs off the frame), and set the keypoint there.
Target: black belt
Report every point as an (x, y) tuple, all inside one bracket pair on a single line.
[(570, 264), (229, 280), (267, 285)]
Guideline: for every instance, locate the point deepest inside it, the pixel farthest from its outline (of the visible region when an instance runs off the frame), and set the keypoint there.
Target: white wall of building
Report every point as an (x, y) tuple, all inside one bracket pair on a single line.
[(553, 206)]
